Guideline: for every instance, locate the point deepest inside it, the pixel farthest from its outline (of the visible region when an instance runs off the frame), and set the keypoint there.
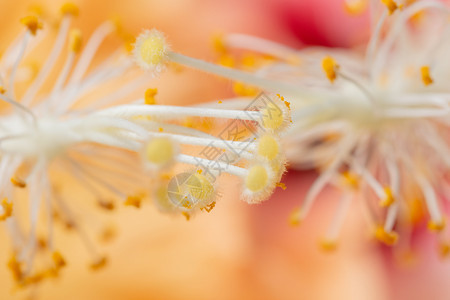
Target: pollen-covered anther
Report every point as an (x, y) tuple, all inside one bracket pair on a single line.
[(259, 183), (426, 77), (444, 249), (106, 204), (32, 23), (275, 117), (16, 268), (391, 5), (330, 67), (133, 201), (76, 41), (268, 147), (150, 96), (159, 152), (389, 198), (70, 9), (7, 208), (436, 226), (388, 238), (2, 90), (18, 182), (151, 51)]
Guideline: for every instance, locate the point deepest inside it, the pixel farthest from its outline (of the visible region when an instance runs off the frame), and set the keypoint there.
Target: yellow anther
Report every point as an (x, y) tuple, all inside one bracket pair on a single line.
[(2, 90), (200, 187), (150, 96), (436, 226), (160, 151), (391, 5), (389, 198), (351, 179), (151, 50), (355, 7), (328, 245), (76, 40), (17, 182), (133, 201), (199, 171), (107, 205), (330, 67), (388, 238), (7, 209), (257, 178), (32, 23), (160, 129), (58, 260), (268, 147), (99, 263), (272, 117), (226, 61), (295, 217), (244, 90), (16, 268), (426, 78), (70, 9), (218, 43), (220, 102), (281, 185)]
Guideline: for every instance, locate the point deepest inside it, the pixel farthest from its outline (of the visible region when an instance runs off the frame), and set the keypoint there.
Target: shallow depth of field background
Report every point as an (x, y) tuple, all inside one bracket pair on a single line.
[(237, 251)]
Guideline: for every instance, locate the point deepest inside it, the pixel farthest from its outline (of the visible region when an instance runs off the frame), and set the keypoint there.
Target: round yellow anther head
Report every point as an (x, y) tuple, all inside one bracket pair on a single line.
[(257, 178), (330, 68), (268, 147), (150, 51), (200, 187), (272, 117), (160, 151), (388, 238), (70, 9)]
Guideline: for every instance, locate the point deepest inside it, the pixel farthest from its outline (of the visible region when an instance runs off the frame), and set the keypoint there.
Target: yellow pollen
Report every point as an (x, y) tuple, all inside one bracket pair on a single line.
[(281, 185), (426, 78), (2, 90), (98, 264), (257, 178), (70, 9), (160, 151), (328, 245), (436, 226), (107, 205), (295, 217), (268, 147), (76, 40), (389, 198), (7, 209), (17, 182), (150, 96), (208, 208), (355, 7), (220, 102), (133, 201), (330, 68), (186, 215), (58, 260), (160, 129), (32, 23), (388, 238), (391, 5)]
